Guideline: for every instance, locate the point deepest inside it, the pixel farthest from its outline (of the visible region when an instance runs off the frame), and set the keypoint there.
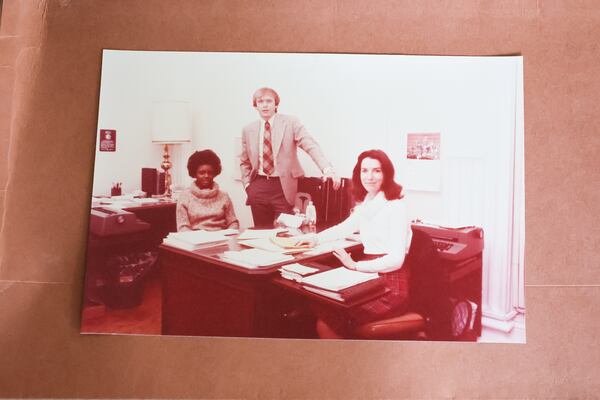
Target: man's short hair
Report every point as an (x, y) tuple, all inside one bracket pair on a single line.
[(264, 91)]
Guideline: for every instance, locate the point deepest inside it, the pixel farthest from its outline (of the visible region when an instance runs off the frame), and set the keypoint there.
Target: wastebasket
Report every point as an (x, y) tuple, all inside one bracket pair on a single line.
[(126, 276)]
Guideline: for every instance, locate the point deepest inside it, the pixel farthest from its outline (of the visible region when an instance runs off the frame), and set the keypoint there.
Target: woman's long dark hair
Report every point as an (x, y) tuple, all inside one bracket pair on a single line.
[(389, 187)]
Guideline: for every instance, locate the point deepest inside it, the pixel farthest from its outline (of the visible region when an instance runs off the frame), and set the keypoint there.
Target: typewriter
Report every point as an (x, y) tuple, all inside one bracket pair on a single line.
[(454, 244), (109, 222)]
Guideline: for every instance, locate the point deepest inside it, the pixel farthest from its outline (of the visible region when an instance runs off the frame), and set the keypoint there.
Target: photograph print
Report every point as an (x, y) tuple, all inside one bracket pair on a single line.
[(311, 196)]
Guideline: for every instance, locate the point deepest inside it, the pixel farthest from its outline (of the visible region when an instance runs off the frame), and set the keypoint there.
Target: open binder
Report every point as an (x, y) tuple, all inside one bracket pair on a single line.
[(342, 284)]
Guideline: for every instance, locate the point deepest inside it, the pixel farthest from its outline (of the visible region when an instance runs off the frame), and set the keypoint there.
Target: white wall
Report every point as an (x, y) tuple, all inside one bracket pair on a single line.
[(348, 102)]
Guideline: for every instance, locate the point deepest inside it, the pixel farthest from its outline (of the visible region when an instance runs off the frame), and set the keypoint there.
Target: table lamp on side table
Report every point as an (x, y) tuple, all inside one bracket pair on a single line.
[(171, 124)]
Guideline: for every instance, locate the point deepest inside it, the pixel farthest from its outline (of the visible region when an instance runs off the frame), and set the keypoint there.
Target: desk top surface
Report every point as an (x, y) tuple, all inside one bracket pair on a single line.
[(211, 258), (214, 255), (133, 204)]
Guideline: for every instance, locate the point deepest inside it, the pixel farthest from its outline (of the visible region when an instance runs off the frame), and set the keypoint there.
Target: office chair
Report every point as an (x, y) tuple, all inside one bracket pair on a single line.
[(411, 324)]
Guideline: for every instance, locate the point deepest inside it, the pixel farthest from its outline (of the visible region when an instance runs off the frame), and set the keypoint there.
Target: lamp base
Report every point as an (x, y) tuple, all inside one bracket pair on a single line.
[(166, 166)]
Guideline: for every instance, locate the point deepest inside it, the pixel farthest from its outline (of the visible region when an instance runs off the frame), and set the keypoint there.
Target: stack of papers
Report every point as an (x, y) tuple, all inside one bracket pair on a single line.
[(254, 258), (339, 278), (195, 240), (342, 284), (296, 271)]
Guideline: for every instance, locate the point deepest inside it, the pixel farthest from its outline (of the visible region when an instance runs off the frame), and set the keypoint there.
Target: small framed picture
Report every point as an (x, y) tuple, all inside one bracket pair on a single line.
[(423, 146), (108, 140)]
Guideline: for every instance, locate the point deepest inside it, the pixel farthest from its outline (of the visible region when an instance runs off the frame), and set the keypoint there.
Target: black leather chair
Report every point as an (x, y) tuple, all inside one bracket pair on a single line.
[(412, 324)]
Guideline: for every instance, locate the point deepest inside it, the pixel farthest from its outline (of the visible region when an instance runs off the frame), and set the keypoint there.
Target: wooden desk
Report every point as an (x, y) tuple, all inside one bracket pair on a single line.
[(161, 218), (207, 296), (204, 295)]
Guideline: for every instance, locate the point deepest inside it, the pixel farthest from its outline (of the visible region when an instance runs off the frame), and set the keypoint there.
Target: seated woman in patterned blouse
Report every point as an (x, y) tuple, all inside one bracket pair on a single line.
[(203, 205)]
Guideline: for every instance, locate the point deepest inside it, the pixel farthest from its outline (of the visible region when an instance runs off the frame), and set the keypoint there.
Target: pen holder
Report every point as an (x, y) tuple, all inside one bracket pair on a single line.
[(115, 191)]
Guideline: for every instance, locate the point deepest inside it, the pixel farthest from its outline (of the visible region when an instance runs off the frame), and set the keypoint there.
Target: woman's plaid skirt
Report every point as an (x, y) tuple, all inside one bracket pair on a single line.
[(394, 302)]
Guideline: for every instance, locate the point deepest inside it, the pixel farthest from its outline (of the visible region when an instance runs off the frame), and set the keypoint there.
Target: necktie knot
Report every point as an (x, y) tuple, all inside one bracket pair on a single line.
[(267, 126)]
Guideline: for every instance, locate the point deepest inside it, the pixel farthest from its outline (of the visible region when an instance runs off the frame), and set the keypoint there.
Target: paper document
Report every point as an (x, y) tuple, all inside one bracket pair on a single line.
[(146, 200), (252, 258), (299, 269), (264, 244), (338, 279), (288, 242), (180, 244), (296, 272), (292, 221), (198, 237), (194, 240), (117, 205), (267, 244), (259, 233), (228, 232)]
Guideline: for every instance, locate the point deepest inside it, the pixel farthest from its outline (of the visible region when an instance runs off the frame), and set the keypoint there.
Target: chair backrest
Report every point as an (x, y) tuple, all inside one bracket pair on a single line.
[(421, 256), (423, 260), (333, 206)]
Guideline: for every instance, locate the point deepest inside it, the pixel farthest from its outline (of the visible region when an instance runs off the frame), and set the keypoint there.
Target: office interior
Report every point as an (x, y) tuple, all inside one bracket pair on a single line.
[(348, 103)]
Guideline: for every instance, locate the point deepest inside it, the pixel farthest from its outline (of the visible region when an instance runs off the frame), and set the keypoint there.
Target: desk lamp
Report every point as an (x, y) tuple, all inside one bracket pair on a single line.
[(171, 124)]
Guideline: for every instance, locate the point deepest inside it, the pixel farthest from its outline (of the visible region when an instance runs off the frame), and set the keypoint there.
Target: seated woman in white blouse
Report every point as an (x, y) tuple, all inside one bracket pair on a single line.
[(381, 219)]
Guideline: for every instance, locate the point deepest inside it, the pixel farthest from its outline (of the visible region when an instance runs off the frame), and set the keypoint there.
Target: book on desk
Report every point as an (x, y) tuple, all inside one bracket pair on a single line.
[(342, 284), (296, 272)]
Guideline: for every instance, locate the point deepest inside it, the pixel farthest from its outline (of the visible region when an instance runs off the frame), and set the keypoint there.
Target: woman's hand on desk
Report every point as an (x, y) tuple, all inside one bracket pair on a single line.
[(345, 258)]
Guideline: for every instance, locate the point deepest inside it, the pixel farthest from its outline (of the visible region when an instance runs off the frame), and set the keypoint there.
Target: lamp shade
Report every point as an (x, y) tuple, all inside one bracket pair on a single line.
[(171, 122)]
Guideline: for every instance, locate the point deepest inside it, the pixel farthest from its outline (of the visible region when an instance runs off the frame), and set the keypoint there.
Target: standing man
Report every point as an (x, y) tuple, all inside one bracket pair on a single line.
[(269, 161)]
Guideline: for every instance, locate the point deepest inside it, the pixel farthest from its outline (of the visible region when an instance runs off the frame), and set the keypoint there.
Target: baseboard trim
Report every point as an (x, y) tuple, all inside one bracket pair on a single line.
[(502, 326), (497, 330)]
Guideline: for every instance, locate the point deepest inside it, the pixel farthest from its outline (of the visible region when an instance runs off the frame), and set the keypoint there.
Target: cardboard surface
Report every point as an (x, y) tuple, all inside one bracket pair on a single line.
[(52, 50), (43, 355)]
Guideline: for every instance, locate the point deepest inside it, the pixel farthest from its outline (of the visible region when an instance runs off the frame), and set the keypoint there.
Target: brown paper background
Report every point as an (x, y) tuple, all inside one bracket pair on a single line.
[(50, 54)]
